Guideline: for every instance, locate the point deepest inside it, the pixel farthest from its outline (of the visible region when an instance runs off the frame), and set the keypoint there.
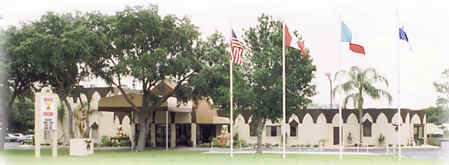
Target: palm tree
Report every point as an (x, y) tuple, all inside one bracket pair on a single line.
[(359, 84)]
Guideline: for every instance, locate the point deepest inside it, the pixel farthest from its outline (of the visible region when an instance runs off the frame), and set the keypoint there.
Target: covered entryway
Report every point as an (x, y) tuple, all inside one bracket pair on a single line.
[(207, 133), (169, 123), (418, 133)]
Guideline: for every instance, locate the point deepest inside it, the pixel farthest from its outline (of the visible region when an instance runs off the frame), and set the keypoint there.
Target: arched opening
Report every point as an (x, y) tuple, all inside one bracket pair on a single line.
[(367, 128), (293, 128)]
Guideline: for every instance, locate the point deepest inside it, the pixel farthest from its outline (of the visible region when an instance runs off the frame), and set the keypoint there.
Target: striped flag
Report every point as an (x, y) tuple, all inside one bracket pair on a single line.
[(292, 41), (236, 49), (346, 36)]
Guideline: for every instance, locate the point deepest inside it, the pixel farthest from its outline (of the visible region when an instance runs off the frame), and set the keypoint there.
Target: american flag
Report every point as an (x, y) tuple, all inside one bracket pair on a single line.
[(236, 49)]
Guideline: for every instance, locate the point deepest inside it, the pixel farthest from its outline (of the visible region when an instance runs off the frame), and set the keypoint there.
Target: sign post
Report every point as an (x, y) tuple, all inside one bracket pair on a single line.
[(45, 119)]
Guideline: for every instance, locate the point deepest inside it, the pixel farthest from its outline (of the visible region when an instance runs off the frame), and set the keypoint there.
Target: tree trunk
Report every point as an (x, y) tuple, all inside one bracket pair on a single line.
[(86, 131), (143, 125), (260, 125), (70, 119)]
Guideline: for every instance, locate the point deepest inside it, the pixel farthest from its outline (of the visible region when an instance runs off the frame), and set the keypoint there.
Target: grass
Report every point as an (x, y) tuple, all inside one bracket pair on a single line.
[(159, 157)]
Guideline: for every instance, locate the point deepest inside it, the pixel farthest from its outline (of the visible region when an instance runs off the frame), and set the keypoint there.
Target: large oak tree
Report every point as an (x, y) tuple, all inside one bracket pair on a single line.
[(258, 81), (142, 45)]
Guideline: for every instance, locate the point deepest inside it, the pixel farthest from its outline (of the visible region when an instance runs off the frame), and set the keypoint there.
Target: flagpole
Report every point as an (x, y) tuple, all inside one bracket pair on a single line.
[(399, 88), (231, 104), (283, 91), (166, 130), (340, 122)]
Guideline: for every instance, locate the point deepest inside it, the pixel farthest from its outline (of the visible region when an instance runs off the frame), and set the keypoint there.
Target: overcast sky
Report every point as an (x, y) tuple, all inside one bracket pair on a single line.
[(373, 24)]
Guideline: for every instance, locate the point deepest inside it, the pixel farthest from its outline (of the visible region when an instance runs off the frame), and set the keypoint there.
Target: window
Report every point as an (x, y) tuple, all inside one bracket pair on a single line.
[(366, 128), (252, 129), (293, 128), (273, 131)]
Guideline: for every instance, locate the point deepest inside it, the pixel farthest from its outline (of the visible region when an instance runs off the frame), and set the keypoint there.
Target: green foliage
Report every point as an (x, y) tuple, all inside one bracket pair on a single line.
[(240, 143), (204, 145), (440, 113), (359, 83), (124, 143), (437, 115), (150, 48), (22, 115), (106, 141), (442, 88), (216, 142), (61, 112), (257, 82)]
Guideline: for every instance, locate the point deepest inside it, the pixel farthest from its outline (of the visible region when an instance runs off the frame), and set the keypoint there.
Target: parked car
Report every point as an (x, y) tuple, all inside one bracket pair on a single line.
[(26, 139), (10, 138), (18, 135)]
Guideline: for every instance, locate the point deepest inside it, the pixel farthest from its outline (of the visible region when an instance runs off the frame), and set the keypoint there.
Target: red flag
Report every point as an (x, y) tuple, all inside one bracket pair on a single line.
[(356, 48)]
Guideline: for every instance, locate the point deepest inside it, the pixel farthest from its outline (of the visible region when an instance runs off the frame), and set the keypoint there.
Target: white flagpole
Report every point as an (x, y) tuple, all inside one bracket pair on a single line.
[(283, 92), (166, 130), (399, 88), (230, 97), (340, 118)]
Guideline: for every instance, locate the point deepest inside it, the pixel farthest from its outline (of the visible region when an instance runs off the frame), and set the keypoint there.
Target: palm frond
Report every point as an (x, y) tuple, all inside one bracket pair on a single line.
[(376, 77), (351, 97)]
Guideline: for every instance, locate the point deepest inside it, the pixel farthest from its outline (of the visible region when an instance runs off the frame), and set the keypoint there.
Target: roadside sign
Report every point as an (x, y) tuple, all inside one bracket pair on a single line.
[(48, 112)]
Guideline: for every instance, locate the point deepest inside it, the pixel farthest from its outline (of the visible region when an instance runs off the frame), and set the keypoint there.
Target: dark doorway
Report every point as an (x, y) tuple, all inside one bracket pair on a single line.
[(160, 135), (207, 132), (418, 133), (336, 135), (183, 134)]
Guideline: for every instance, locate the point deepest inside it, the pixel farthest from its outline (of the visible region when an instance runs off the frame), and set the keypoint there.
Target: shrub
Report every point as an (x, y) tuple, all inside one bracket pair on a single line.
[(315, 145), (381, 139), (240, 143), (106, 141), (124, 143), (308, 145), (267, 145), (204, 145), (216, 142)]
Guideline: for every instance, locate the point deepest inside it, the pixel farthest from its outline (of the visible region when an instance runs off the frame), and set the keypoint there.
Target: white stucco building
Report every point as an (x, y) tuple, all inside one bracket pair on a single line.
[(195, 123)]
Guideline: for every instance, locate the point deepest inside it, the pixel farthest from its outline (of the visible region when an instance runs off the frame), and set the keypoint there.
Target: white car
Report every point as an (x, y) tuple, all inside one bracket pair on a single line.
[(25, 139), (10, 138)]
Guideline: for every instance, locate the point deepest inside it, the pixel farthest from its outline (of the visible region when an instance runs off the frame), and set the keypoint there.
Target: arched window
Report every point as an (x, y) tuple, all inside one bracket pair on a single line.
[(367, 128), (252, 129), (94, 128), (293, 128)]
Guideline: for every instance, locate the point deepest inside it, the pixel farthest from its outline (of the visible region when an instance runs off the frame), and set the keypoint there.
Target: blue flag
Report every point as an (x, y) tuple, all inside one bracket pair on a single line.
[(346, 34), (402, 34)]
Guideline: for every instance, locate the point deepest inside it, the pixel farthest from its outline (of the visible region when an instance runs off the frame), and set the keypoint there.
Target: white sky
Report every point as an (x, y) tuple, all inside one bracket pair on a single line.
[(373, 24)]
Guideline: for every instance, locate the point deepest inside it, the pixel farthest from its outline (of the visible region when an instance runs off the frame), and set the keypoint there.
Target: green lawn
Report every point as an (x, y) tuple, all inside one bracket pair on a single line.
[(159, 157)]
